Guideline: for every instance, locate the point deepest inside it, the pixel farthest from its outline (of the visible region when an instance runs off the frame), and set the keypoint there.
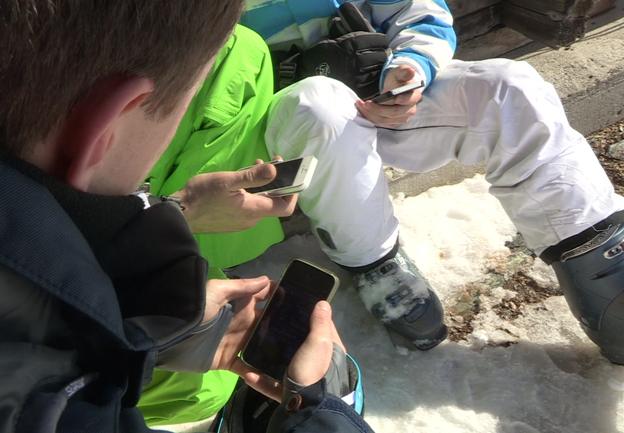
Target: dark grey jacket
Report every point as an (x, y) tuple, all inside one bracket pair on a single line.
[(94, 292)]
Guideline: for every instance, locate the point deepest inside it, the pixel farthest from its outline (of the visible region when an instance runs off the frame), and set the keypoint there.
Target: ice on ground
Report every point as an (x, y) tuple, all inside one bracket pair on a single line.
[(533, 372), (450, 231)]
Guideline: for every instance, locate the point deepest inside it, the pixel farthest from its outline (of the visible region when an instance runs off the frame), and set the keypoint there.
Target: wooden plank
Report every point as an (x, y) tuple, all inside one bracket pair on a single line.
[(493, 44), (555, 23), (461, 8), (601, 6), (554, 31), (478, 23), (555, 8), (560, 6)]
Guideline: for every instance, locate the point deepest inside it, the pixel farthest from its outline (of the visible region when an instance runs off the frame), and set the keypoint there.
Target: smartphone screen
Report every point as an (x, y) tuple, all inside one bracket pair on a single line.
[(286, 174), (285, 323)]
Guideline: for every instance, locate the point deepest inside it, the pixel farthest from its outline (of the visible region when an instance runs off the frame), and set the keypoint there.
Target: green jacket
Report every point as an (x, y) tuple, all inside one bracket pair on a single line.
[(223, 130)]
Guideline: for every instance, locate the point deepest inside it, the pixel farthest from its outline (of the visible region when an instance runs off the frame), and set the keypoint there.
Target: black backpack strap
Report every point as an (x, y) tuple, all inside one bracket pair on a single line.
[(287, 72), (353, 20), (285, 67)]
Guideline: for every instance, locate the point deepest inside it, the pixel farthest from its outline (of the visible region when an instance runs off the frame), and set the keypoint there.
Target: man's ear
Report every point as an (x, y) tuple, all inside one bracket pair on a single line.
[(89, 131)]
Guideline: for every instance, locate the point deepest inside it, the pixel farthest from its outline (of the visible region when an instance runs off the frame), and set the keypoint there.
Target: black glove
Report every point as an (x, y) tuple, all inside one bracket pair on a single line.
[(355, 54)]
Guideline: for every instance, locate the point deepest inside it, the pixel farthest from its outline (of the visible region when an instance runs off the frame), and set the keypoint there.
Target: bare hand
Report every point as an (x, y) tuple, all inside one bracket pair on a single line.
[(310, 362), (218, 202), (246, 293), (399, 110)]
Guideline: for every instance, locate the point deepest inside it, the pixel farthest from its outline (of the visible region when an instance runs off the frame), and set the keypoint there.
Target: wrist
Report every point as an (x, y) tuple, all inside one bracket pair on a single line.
[(297, 396), (337, 379), (186, 200)]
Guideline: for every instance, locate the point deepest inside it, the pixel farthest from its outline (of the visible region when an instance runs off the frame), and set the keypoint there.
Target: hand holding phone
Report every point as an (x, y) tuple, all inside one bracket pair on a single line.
[(285, 322), (311, 361), (219, 203), (400, 96)]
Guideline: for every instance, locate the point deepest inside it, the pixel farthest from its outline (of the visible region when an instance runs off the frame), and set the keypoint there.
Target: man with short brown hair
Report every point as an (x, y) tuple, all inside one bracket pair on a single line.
[(98, 286)]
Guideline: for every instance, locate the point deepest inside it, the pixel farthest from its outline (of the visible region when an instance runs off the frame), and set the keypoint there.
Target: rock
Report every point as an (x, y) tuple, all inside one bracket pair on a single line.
[(478, 340), (616, 385), (395, 173), (543, 275), (617, 151)]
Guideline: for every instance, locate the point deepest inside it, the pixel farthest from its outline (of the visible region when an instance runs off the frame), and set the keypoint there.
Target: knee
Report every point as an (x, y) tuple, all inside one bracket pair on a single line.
[(502, 78), (515, 73), (312, 112), (323, 99)]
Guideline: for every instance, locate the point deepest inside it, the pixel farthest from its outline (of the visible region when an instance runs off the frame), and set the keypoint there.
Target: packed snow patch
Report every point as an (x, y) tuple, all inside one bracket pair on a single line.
[(450, 231), (529, 370)]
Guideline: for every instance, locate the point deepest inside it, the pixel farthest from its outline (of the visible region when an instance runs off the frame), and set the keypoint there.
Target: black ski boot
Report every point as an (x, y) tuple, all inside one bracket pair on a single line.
[(397, 294), (591, 276)]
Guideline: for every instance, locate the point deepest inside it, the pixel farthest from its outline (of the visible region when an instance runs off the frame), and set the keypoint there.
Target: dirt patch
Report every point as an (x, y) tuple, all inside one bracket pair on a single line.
[(526, 288), (600, 142), (527, 292), (511, 272), (462, 313), (505, 289)]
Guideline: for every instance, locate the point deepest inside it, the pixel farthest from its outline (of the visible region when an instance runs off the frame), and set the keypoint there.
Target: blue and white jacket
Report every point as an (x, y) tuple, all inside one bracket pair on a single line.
[(421, 31)]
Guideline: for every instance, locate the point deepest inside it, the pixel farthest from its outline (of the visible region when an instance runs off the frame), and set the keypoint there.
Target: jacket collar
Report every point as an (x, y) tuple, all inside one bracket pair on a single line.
[(96, 253), (41, 243)]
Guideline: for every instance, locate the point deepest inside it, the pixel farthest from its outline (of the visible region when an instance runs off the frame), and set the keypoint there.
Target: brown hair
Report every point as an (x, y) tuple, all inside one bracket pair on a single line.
[(53, 51)]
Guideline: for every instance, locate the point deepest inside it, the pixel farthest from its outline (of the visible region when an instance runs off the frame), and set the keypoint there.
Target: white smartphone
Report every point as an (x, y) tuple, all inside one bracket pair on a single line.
[(293, 176), (386, 96)]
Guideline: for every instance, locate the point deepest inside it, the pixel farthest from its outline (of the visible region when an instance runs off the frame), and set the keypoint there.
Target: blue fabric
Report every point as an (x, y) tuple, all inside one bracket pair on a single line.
[(272, 17), (276, 15), (437, 29)]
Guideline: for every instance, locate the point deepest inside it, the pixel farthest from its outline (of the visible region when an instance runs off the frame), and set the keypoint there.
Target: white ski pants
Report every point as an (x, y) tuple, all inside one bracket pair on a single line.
[(497, 111)]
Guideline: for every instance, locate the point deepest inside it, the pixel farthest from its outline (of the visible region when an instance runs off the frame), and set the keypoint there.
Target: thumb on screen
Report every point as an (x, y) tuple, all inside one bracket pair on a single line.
[(313, 358), (255, 176), (405, 73)]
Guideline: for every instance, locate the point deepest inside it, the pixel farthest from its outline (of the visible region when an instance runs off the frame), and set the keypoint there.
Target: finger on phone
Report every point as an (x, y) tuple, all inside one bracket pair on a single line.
[(389, 111), (321, 320), (312, 359), (285, 205), (263, 206), (265, 294), (410, 98), (258, 175), (258, 381), (235, 289), (389, 116)]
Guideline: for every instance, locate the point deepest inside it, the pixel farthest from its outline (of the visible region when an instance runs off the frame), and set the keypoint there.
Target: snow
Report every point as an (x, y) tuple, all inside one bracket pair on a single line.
[(535, 373)]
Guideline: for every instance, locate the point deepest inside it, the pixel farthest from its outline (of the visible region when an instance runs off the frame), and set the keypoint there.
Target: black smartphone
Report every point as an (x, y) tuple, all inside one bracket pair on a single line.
[(386, 96), (285, 322)]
